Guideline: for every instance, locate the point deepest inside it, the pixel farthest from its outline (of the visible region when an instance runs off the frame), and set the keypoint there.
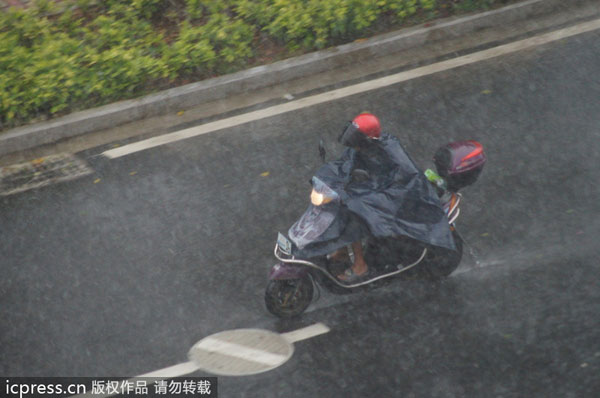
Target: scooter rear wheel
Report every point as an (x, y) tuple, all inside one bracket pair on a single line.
[(287, 298), (441, 263)]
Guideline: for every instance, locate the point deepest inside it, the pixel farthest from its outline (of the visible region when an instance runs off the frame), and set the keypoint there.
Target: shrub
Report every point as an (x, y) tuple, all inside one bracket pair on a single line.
[(94, 52), (46, 69), (317, 23)]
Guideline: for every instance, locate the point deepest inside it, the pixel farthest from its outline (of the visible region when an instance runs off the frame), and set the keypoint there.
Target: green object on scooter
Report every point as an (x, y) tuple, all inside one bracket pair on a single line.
[(435, 179)]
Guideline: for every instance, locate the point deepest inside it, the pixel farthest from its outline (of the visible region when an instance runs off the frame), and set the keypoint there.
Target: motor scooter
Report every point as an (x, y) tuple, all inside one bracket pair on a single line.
[(306, 255)]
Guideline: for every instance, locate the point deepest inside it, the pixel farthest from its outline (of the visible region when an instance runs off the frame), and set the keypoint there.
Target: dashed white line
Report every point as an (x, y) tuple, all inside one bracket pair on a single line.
[(172, 371), (241, 352), (225, 348), (306, 333), (354, 89)]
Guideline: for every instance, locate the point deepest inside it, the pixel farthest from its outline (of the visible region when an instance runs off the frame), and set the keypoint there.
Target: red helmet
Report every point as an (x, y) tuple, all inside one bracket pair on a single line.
[(368, 124), (362, 129)]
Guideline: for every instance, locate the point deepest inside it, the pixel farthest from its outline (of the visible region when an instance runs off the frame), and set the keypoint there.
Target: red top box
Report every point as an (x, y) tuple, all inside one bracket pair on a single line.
[(460, 163)]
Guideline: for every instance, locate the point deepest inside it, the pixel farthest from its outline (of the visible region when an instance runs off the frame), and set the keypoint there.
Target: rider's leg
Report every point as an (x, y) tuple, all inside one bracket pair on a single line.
[(340, 255), (360, 266)]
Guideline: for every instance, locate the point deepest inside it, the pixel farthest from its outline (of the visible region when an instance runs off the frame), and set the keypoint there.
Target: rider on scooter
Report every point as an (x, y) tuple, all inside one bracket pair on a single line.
[(384, 190), (362, 134)]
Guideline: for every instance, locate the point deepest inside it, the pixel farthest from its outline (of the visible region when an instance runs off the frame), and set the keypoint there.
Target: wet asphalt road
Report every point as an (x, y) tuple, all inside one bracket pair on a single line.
[(121, 272)]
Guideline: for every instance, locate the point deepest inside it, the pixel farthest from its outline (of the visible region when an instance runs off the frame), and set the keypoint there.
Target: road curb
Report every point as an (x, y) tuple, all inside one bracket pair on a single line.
[(188, 96)]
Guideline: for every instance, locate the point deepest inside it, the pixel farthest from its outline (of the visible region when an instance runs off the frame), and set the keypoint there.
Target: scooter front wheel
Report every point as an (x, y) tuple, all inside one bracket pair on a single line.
[(287, 298)]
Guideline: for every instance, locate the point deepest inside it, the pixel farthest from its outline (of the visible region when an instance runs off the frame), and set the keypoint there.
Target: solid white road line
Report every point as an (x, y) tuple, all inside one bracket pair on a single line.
[(354, 89)]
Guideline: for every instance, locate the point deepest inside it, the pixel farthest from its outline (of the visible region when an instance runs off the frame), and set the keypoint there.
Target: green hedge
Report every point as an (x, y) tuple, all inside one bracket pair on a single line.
[(315, 23), (90, 52)]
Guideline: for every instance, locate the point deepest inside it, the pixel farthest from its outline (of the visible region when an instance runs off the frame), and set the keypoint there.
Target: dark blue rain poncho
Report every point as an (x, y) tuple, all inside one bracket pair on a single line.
[(396, 200)]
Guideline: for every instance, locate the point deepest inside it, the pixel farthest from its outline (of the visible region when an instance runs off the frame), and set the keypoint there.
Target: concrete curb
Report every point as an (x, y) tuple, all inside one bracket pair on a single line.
[(194, 94)]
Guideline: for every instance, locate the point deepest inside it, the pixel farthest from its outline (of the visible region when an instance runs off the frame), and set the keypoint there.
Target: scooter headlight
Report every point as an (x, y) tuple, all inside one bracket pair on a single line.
[(321, 193), (319, 199)]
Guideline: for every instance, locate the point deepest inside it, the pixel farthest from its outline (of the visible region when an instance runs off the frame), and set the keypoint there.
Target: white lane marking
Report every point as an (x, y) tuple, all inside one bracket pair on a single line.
[(306, 333), (239, 351), (354, 89), (173, 371), (231, 349)]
